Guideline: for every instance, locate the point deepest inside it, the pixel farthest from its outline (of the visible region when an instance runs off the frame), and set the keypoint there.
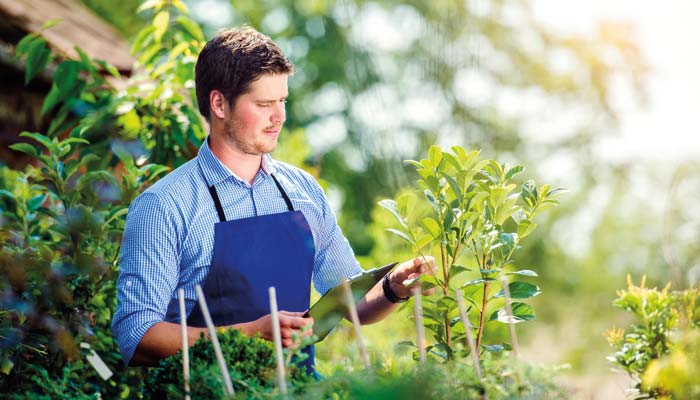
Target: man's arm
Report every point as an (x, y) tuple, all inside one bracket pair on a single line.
[(375, 306), (165, 338)]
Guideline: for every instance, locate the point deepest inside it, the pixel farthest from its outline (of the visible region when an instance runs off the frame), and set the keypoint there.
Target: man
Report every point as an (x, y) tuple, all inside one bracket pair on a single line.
[(235, 221)]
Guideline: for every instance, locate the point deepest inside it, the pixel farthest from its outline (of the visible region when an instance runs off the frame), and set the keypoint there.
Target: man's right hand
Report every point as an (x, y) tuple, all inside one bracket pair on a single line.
[(290, 323)]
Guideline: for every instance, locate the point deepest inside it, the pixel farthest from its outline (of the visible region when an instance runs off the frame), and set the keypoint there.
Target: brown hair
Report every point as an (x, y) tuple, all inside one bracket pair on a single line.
[(232, 60)]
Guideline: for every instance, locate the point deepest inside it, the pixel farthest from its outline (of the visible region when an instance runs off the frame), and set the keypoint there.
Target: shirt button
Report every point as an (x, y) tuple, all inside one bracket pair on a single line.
[(128, 283)]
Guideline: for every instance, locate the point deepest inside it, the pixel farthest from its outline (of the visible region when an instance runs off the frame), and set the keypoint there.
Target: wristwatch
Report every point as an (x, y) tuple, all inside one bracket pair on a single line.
[(389, 293)]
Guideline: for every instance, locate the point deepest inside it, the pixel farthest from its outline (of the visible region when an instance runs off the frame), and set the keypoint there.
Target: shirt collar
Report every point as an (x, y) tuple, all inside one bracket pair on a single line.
[(215, 171)]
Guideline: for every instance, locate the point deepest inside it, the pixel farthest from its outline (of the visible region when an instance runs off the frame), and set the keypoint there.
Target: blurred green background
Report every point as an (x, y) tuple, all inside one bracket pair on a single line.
[(597, 98)]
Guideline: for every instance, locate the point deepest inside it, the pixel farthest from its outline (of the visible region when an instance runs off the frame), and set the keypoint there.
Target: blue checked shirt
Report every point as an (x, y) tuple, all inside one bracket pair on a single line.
[(168, 241)]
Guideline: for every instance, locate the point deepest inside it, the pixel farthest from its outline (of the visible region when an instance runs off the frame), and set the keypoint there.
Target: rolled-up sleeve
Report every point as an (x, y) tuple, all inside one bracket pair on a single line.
[(148, 271)]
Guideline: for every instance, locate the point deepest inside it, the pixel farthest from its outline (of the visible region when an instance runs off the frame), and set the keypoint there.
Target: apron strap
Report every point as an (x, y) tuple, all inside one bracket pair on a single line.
[(217, 203), (284, 194), (220, 209)]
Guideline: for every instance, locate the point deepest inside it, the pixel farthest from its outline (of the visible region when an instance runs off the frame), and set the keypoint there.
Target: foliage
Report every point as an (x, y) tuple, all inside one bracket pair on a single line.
[(159, 107), (477, 223), (62, 220), (678, 373), (251, 362), (647, 350), (504, 378), (62, 225)]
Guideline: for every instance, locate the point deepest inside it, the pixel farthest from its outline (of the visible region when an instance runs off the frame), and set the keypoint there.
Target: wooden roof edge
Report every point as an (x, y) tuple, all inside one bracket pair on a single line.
[(78, 27)]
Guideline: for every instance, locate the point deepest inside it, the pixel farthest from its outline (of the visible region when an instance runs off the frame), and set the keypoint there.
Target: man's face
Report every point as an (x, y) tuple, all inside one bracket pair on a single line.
[(254, 123)]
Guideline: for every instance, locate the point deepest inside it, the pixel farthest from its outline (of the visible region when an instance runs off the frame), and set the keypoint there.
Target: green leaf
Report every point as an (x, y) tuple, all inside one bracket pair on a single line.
[(409, 282), (24, 44), (461, 154), (457, 269), (432, 201), (433, 183), (51, 99), (454, 185), (142, 37), (525, 228), (8, 194), (35, 202), (521, 312), (509, 239), (405, 203), (116, 215), (6, 366), (495, 168), (50, 23), (415, 163), (423, 241), (160, 22), (524, 272), (191, 27), (392, 207), (493, 348), (180, 5), (520, 290), (511, 172), (435, 155), (478, 281), (44, 140), (157, 4), (431, 226), (401, 235), (38, 56), (25, 148), (93, 176), (449, 219)]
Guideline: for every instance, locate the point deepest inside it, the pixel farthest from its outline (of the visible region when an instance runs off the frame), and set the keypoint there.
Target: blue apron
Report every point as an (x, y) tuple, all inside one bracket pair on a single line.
[(252, 254)]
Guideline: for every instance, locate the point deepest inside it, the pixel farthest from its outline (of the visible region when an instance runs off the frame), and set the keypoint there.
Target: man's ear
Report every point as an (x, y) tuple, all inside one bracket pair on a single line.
[(217, 104)]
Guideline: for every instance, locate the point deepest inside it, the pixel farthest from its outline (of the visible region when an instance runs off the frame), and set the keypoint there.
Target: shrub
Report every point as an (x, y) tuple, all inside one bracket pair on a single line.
[(476, 221), (251, 362), (660, 340)]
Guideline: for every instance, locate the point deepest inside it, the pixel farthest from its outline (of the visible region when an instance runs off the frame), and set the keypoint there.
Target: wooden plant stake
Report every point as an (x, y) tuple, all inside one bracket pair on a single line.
[(277, 337), (511, 319), (352, 310), (228, 386), (185, 345), (418, 316), (468, 329)]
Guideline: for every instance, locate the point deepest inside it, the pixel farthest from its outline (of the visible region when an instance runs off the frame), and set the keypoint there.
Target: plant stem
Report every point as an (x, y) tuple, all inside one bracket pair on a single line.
[(481, 317), (446, 291)]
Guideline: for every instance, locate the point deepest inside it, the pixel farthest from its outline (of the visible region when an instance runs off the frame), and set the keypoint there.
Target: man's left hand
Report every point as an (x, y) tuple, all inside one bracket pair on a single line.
[(411, 269)]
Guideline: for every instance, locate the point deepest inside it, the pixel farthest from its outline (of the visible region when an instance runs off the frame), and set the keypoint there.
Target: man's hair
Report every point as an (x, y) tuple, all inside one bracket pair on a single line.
[(232, 60)]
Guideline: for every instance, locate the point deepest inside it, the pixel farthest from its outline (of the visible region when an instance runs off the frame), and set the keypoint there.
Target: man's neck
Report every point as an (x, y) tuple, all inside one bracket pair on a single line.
[(244, 165)]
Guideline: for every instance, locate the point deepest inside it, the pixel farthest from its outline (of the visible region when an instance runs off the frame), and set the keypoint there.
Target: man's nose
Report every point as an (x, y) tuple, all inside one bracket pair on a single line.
[(279, 113)]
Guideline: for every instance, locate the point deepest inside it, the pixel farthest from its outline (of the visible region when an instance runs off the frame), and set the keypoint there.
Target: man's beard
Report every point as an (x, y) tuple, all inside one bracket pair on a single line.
[(257, 147)]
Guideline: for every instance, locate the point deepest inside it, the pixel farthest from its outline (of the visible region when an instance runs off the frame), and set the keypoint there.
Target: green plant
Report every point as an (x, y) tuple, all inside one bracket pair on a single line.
[(63, 223), (504, 378), (476, 220), (678, 373), (660, 316), (251, 362), (159, 105)]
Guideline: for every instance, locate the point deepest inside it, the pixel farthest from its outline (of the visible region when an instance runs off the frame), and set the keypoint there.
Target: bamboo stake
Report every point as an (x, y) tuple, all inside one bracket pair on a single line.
[(511, 319), (418, 315), (470, 337), (355, 321), (185, 346), (277, 337), (228, 386)]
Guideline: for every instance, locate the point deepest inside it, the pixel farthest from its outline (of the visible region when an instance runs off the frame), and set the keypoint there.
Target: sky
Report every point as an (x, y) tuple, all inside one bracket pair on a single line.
[(666, 129)]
